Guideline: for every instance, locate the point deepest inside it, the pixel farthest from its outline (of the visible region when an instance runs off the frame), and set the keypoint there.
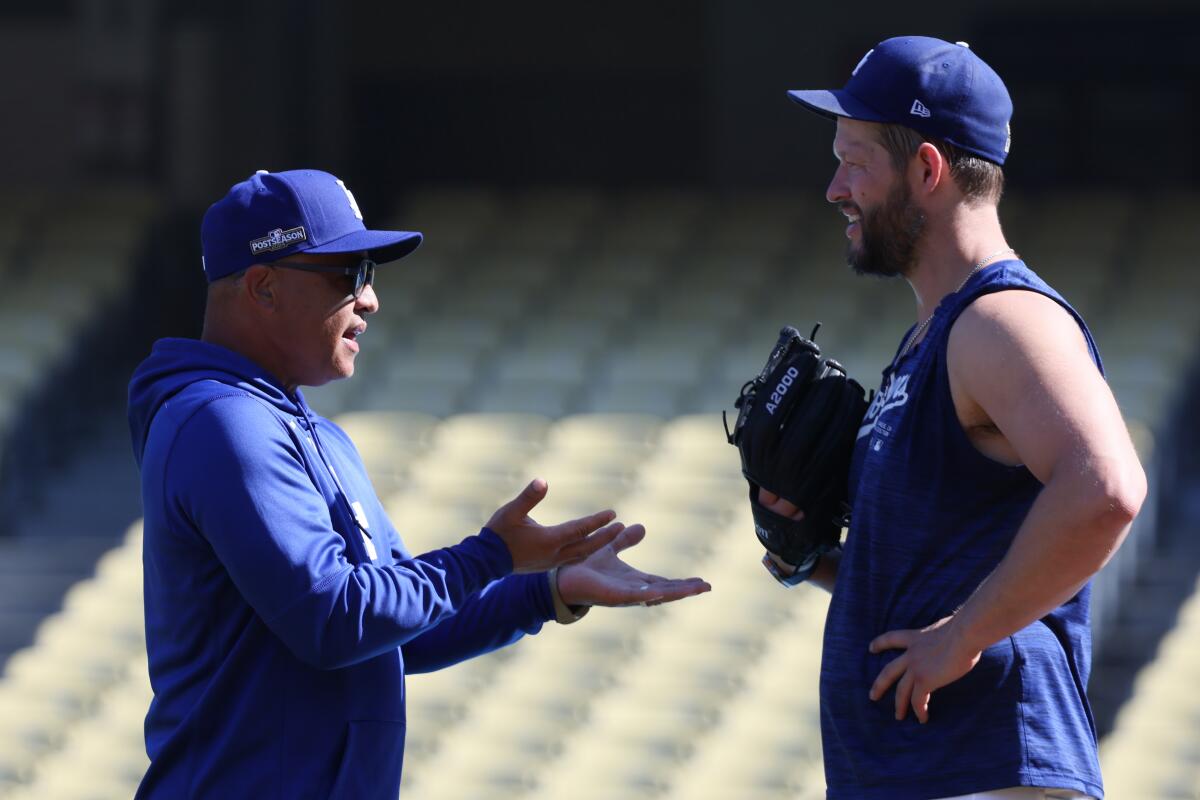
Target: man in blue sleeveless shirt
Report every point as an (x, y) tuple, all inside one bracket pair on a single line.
[(992, 476)]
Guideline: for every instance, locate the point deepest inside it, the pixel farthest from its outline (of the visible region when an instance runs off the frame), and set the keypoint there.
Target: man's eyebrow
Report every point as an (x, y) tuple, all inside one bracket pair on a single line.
[(840, 149)]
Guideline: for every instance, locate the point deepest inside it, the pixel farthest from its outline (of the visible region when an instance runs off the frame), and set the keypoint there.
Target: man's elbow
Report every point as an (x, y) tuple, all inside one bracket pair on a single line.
[(319, 651), (333, 652), (1121, 490)]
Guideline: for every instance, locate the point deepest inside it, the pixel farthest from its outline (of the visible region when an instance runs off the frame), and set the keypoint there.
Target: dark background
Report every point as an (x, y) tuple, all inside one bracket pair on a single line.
[(191, 96)]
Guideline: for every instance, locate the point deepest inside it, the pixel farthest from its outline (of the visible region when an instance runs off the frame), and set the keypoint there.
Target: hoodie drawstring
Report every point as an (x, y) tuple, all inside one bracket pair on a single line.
[(337, 482)]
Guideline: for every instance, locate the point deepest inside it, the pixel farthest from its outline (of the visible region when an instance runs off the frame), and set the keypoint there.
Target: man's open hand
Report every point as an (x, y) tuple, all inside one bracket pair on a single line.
[(537, 548), (603, 579)]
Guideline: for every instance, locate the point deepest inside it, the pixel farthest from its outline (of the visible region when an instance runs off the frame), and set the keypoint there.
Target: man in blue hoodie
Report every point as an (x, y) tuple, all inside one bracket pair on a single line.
[(282, 608)]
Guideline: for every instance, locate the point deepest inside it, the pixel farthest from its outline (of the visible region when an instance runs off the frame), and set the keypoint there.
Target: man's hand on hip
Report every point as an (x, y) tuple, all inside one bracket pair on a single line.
[(933, 657)]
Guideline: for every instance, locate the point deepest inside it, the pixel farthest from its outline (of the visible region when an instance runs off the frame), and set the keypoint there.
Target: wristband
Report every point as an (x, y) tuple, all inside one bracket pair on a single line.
[(802, 573), (563, 613)]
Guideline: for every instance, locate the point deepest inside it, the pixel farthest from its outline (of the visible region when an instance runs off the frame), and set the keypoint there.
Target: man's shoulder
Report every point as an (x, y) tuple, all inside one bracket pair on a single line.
[(330, 430), (212, 408), (996, 322)]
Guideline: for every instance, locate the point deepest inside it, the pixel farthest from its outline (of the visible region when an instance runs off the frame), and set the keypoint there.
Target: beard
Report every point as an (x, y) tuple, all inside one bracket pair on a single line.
[(888, 236)]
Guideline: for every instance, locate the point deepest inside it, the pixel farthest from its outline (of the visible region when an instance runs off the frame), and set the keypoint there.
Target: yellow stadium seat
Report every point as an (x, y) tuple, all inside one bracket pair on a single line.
[(551, 397), (388, 442), (467, 432), (635, 396)]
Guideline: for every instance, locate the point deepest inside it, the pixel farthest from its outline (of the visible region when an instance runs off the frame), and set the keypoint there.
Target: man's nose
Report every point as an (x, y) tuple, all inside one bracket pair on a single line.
[(838, 190), (367, 302)]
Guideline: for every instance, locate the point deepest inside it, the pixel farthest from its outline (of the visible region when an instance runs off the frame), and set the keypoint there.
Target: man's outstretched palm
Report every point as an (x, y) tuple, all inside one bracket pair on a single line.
[(603, 579)]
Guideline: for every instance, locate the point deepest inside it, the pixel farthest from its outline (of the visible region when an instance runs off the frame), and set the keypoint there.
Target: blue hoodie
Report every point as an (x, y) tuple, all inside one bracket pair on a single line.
[(279, 628)]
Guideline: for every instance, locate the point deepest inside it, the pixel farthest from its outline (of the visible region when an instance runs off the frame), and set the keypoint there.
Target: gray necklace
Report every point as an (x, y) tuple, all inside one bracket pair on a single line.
[(916, 334)]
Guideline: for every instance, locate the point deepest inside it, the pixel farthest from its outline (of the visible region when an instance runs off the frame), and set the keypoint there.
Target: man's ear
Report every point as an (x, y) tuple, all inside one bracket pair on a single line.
[(929, 168), (259, 284)]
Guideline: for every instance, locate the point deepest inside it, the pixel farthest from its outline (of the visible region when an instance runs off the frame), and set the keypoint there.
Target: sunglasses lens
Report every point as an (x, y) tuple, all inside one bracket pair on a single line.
[(364, 277), (370, 278)]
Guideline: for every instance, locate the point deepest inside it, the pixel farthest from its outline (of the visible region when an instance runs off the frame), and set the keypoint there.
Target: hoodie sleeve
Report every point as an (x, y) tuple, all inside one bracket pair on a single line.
[(235, 475), (496, 617)]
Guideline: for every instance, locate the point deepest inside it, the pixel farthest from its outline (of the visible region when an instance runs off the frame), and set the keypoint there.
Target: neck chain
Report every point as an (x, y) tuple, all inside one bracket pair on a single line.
[(916, 334)]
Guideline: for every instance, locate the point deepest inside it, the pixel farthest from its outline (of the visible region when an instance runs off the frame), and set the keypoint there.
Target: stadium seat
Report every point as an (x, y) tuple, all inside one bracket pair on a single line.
[(588, 432), (570, 334), (551, 398), (388, 442), (547, 362), (466, 432)]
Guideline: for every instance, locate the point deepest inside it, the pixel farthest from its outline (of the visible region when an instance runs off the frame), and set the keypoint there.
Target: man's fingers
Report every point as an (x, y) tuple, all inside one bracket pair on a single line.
[(767, 497), (653, 593), (629, 537), (678, 589), (887, 676), (777, 504), (582, 548), (575, 529), (892, 640), (529, 497), (920, 705), (904, 692)]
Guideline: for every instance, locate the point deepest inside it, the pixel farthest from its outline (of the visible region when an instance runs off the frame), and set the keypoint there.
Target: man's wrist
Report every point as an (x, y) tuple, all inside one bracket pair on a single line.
[(789, 574), (965, 636), (783, 566), (564, 614)]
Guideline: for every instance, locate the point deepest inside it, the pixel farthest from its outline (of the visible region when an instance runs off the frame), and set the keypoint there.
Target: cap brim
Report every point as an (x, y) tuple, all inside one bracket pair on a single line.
[(381, 246), (835, 103)]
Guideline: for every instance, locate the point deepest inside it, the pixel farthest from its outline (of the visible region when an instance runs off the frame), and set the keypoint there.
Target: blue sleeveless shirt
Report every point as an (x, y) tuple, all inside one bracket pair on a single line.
[(932, 518)]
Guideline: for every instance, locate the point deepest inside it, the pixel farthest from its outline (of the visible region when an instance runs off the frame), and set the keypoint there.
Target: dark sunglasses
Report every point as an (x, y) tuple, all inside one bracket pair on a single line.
[(363, 272)]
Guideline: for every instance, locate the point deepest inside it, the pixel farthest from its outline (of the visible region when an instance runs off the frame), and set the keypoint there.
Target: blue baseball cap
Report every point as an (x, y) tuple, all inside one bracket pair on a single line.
[(271, 215), (941, 90)]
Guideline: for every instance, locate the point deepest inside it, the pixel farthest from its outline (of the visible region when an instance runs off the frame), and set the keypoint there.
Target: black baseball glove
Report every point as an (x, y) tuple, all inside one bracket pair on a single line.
[(795, 430)]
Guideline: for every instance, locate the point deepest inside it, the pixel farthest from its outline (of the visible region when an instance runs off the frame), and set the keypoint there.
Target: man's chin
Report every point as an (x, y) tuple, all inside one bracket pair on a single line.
[(862, 265), (337, 373)]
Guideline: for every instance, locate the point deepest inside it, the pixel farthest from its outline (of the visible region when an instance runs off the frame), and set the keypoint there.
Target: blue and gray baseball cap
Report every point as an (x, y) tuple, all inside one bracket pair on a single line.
[(271, 215), (941, 90)]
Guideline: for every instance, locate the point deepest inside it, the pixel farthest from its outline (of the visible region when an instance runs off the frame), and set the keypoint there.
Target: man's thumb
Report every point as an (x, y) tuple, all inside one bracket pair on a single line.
[(529, 497)]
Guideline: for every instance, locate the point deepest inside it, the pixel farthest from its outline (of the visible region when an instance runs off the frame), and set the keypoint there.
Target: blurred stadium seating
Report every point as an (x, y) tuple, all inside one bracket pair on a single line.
[(594, 339), (69, 275), (1154, 750)]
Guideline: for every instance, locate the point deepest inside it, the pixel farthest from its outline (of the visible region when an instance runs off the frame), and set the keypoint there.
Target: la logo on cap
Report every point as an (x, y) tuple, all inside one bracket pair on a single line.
[(349, 196)]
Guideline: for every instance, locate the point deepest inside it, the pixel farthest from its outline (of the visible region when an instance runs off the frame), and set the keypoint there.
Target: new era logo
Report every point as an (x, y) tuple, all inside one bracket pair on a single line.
[(919, 110), (277, 240)]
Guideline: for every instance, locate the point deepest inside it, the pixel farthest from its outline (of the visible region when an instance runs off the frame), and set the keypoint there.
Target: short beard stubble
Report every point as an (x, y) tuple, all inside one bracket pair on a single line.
[(889, 236)]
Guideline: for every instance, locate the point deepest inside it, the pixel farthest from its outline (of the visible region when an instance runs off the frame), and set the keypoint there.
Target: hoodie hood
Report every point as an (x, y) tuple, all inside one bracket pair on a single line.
[(175, 364)]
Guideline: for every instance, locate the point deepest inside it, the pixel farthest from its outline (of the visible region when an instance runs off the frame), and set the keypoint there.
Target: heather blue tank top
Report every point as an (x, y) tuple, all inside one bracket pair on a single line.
[(932, 518)]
